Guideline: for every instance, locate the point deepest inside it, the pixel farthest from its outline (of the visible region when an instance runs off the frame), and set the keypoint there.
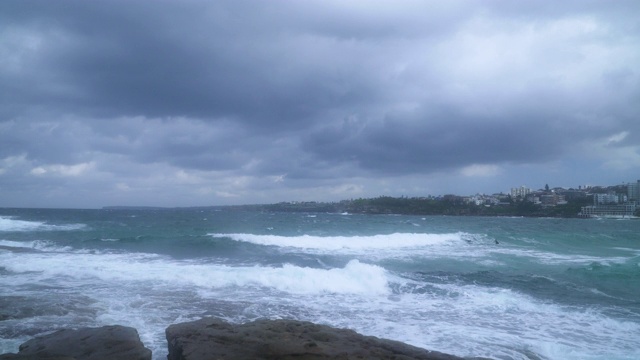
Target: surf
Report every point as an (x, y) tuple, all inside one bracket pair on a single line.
[(10, 224), (359, 243)]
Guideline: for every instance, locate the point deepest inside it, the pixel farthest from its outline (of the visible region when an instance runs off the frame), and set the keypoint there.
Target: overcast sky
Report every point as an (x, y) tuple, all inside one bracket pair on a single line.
[(189, 103)]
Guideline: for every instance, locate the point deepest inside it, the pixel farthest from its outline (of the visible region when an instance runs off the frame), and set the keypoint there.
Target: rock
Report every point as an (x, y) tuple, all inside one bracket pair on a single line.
[(33, 357), (107, 342), (212, 338)]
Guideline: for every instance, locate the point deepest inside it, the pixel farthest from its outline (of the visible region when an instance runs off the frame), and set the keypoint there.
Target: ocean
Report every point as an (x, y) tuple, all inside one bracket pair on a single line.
[(502, 288)]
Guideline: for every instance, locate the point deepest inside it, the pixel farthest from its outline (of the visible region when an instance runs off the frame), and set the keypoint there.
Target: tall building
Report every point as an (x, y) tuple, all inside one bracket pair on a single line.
[(633, 191), (522, 192)]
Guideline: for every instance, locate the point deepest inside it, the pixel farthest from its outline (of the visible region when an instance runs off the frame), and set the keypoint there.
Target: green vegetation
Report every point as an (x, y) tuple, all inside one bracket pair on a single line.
[(445, 205)]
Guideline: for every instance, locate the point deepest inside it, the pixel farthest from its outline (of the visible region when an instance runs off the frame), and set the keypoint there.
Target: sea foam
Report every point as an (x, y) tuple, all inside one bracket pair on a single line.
[(409, 246), (389, 241), (35, 245), (11, 224), (8, 223), (355, 278), (522, 325)]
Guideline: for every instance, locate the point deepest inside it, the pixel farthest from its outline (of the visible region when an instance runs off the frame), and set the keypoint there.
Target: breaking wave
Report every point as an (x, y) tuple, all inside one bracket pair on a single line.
[(379, 242), (10, 224), (354, 278)]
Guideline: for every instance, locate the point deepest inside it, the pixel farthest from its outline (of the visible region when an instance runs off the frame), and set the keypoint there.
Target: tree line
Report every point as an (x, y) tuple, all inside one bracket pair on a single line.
[(445, 205)]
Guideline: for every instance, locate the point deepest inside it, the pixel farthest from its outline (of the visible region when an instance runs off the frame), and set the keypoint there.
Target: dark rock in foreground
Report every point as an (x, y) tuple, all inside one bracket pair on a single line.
[(212, 338), (107, 342)]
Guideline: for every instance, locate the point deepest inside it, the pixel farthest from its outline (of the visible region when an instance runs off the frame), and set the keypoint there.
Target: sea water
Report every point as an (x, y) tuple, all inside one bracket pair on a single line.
[(502, 288)]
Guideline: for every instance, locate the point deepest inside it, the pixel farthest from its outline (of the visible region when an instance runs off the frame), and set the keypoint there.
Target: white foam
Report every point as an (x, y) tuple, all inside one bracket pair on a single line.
[(18, 244), (463, 320), (355, 277), (459, 246), (492, 322), (11, 224), (43, 245), (335, 243), (634, 251), (550, 258)]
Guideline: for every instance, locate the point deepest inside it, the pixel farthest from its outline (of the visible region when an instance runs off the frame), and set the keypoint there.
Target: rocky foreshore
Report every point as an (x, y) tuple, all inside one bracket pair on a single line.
[(212, 338), (108, 342)]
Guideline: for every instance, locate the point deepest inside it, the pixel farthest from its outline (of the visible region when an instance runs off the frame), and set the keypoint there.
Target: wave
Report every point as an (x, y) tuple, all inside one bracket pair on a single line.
[(612, 279), (355, 278), (373, 242), (442, 315), (460, 246), (519, 322), (8, 223), (551, 258), (43, 245)]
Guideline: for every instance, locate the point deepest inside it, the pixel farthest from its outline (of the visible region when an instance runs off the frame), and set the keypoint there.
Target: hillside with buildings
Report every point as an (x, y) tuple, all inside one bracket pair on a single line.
[(589, 201)]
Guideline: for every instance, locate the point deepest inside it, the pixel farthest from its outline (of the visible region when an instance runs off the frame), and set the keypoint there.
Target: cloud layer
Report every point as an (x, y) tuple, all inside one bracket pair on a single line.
[(197, 102)]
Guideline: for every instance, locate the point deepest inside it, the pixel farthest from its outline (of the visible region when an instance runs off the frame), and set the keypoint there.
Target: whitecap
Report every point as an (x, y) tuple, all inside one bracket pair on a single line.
[(12, 224), (42, 245), (334, 243), (355, 278)]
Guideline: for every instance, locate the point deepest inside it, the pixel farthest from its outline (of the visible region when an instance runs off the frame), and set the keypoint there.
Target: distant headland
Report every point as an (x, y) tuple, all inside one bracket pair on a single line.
[(619, 200)]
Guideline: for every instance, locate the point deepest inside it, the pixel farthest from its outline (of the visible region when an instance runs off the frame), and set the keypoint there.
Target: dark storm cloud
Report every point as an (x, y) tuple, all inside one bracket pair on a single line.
[(398, 146), (172, 59), (265, 93)]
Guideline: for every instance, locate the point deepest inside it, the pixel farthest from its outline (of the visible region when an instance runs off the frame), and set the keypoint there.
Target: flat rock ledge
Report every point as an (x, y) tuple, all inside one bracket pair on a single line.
[(215, 339), (212, 338), (108, 342)]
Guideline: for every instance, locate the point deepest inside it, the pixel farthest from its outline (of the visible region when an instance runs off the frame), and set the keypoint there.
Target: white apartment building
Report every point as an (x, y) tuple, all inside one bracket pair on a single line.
[(522, 192), (603, 199)]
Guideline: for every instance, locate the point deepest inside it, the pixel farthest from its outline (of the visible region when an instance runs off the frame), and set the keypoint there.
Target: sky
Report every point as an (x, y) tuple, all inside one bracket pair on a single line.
[(196, 103)]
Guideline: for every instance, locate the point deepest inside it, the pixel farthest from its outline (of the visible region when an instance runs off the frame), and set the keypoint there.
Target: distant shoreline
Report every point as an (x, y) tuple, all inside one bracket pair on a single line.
[(451, 206)]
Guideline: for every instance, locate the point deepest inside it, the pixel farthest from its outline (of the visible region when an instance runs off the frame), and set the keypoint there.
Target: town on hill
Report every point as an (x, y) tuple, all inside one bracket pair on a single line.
[(590, 201)]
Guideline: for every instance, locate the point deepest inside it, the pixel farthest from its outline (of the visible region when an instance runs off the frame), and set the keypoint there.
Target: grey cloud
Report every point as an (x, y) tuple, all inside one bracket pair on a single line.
[(52, 141), (184, 143), (428, 144), (315, 92), (131, 61)]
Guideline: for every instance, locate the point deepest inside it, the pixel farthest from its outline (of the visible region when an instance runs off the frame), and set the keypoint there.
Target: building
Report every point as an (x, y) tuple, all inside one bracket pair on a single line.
[(572, 194), (520, 192), (552, 199), (610, 198), (534, 198), (633, 191), (618, 211)]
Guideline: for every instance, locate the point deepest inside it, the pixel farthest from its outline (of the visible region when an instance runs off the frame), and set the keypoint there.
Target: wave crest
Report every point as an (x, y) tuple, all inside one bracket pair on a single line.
[(354, 278), (11, 224), (373, 242)]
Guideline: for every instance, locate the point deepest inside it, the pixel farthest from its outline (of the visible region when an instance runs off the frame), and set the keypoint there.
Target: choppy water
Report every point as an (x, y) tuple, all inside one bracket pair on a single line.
[(504, 288)]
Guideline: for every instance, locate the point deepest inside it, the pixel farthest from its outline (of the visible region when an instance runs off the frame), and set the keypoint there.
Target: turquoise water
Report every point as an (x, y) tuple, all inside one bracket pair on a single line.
[(503, 288)]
